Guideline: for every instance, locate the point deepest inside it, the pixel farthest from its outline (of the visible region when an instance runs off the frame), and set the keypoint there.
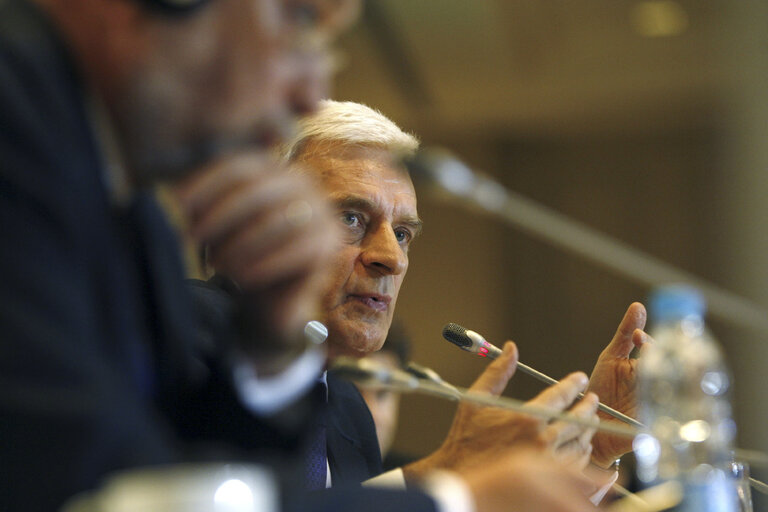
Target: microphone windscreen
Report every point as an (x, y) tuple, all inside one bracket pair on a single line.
[(457, 335), (316, 332)]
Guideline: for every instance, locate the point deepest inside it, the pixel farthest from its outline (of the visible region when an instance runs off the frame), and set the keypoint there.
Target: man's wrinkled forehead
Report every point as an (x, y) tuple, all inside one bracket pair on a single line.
[(359, 176), (315, 150)]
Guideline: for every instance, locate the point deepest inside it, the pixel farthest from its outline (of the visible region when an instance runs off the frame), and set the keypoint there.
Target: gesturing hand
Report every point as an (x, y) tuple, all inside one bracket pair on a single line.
[(614, 381), (478, 434)]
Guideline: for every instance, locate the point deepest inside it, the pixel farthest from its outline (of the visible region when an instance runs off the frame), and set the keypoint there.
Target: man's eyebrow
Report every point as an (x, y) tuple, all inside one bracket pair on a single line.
[(364, 204), (354, 203)]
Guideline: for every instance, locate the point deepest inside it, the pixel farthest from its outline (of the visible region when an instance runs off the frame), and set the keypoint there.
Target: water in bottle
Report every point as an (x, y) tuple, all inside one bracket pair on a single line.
[(683, 392)]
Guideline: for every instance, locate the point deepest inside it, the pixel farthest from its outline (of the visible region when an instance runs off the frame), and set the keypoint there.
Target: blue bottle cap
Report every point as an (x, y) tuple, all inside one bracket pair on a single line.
[(674, 302)]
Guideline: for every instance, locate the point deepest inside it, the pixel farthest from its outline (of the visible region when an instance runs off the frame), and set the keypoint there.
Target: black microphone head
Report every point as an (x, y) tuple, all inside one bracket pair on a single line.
[(457, 335)]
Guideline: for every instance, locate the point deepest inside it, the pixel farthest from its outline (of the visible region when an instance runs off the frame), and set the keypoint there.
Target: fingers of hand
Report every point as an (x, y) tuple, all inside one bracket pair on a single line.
[(248, 190), (573, 486), (301, 255), (260, 222), (203, 188), (526, 478), (622, 343), (496, 376), (600, 476), (573, 437), (248, 202), (269, 251), (561, 395), (574, 454)]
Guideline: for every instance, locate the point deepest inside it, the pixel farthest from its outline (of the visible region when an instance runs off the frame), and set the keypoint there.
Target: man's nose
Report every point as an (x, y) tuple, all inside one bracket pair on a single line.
[(383, 253)]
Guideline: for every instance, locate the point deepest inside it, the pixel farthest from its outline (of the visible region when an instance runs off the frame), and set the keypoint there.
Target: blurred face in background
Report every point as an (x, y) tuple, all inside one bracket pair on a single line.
[(230, 76), (375, 204)]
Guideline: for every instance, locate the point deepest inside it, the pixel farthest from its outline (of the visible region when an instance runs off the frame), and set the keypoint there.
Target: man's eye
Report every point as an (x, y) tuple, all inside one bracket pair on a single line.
[(403, 235), (351, 219)]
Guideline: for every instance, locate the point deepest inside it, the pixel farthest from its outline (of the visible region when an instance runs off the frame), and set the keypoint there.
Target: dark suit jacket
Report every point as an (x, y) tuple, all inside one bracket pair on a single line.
[(353, 448), (77, 276), (100, 364), (352, 445)]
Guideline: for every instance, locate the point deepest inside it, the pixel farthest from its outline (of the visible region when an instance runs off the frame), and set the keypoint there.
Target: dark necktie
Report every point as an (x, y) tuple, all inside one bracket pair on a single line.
[(317, 466), (316, 469)]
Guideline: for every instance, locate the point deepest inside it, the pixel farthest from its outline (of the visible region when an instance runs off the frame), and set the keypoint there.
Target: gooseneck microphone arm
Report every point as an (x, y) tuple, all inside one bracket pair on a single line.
[(455, 181), (474, 343), (371, 373)]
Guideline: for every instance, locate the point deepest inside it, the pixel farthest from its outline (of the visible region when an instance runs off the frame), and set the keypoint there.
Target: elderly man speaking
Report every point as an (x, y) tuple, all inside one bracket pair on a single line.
[(500, 458), (353, 152)]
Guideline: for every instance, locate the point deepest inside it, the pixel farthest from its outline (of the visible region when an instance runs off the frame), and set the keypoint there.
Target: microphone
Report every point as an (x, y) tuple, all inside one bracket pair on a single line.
[(456, 182), (315, 332), (446, 173), (474, 343), (373, 373)]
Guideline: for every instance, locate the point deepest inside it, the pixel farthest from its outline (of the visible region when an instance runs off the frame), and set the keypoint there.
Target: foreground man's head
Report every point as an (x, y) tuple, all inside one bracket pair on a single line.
[(354, 152), (185, 88)]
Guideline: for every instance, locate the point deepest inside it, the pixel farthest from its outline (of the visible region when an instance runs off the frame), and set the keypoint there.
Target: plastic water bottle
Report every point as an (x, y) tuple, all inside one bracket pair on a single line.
[(683, 391)]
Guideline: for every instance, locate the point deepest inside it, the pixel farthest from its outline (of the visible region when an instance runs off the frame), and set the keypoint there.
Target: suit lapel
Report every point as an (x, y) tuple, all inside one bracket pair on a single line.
[(353, 452)]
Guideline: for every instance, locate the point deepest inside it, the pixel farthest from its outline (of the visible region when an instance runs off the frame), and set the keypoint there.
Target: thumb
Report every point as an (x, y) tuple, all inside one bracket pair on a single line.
[(494, 379)]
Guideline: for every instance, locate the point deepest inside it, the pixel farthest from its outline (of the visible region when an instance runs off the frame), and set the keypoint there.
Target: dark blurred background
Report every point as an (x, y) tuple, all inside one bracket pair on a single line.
[(647, 120)]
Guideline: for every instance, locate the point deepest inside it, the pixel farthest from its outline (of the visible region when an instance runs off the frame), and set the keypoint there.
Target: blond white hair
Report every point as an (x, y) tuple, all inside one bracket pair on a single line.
[(349, 124)]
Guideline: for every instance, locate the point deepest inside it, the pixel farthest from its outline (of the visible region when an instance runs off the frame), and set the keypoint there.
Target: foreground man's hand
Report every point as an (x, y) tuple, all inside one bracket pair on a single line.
[(479, 434), (268, 230), (614, 381), (525, 479)]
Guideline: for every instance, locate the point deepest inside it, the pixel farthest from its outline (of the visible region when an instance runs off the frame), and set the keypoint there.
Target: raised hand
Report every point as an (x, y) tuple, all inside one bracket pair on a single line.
[(479, 434), (614, 381)]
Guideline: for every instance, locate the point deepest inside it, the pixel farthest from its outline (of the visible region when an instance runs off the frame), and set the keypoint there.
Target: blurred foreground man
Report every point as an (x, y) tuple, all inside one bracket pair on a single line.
[(354, 153), (101, 100), (100, 365)]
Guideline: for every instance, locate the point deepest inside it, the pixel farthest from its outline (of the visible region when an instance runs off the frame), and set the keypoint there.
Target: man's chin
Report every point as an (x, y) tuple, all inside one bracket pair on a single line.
[(357, 343)]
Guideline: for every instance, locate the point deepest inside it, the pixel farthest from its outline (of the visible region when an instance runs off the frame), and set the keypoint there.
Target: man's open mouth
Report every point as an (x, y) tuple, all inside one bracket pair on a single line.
[(375, 302)]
